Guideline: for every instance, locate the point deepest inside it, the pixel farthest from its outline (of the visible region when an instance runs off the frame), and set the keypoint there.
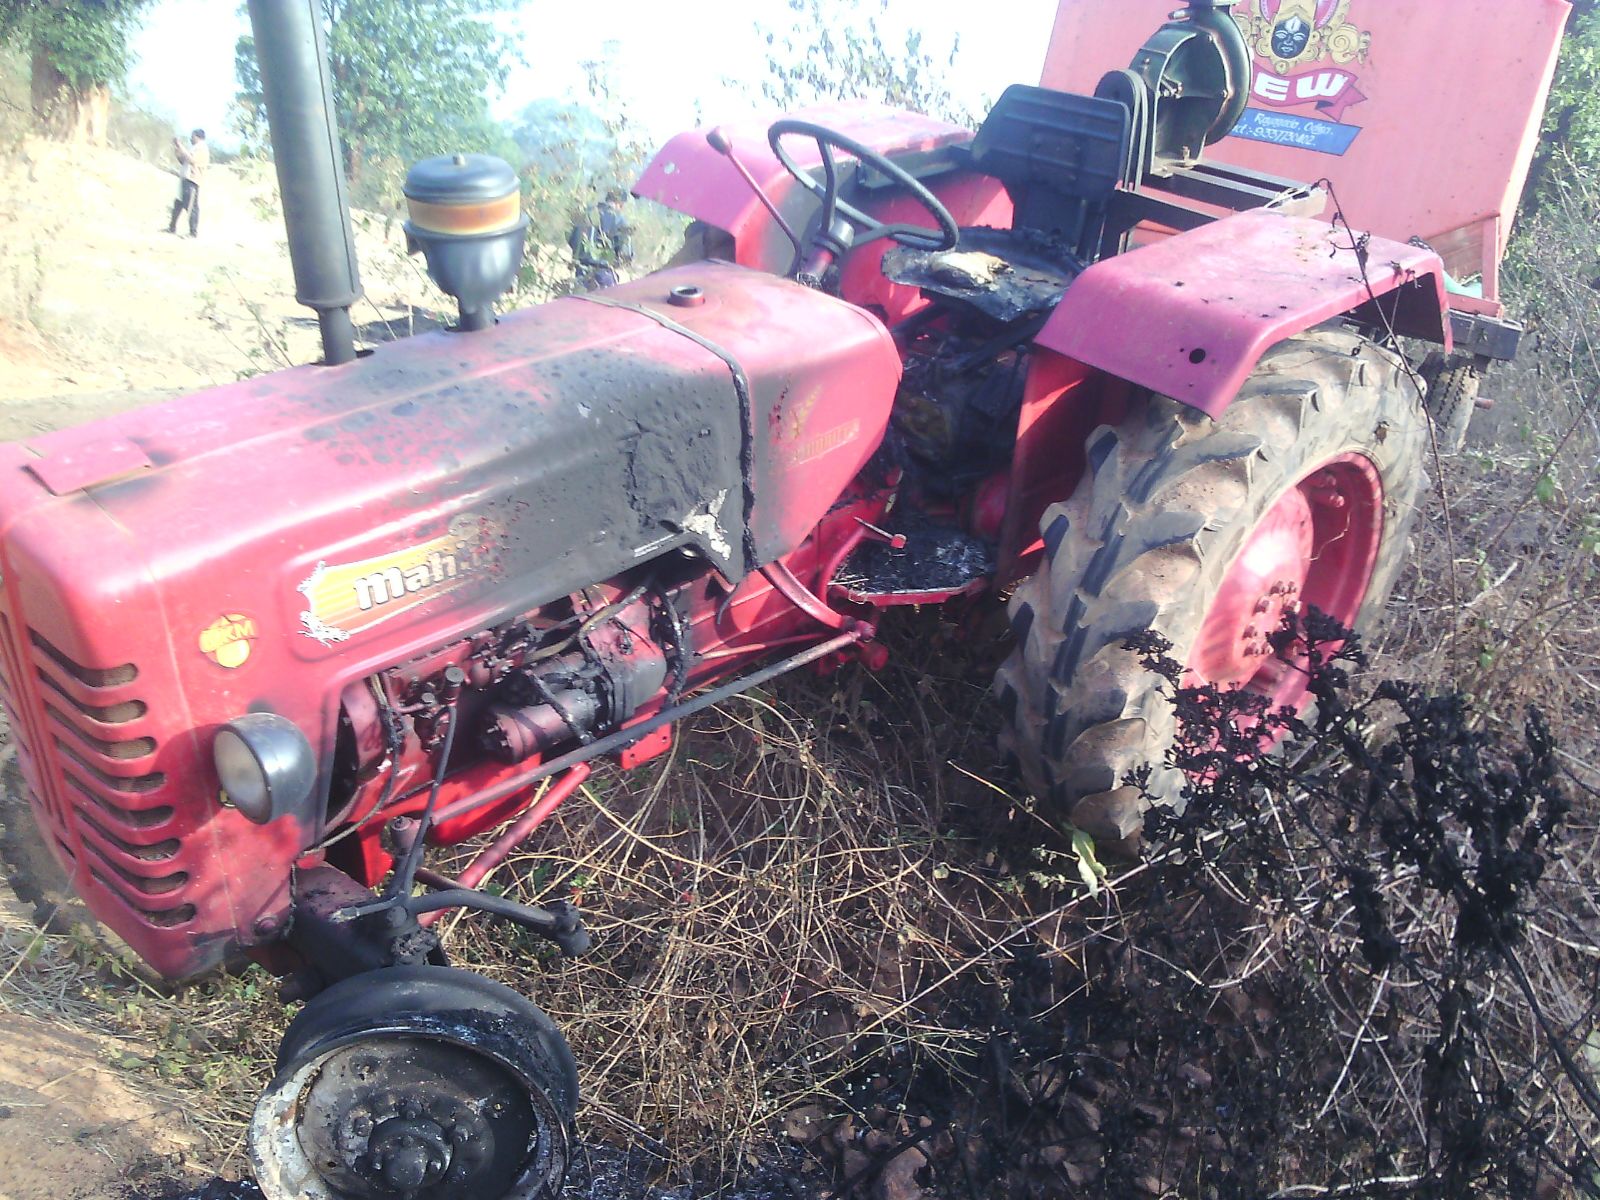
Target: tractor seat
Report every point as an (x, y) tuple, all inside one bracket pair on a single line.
[(1061, 157), (1005, 274)]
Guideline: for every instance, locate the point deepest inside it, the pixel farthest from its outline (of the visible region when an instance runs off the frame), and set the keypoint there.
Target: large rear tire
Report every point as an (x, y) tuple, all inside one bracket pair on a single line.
[(1206, 532)]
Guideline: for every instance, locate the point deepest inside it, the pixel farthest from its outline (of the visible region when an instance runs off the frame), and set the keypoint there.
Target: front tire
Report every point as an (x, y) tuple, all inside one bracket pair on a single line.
[(1206, 532), (426, 1082)]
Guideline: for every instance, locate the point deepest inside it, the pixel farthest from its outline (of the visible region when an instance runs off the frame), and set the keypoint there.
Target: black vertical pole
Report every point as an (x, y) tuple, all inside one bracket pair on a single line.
[(298, 89)]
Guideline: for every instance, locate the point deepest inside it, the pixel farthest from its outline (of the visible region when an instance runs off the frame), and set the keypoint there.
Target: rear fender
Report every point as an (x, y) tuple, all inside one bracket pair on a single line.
[(1424, 114), (1191, 315)]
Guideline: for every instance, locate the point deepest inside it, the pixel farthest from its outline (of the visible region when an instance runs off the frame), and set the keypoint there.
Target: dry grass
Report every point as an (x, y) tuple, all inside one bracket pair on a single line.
[(782, 896), (1513, 619)]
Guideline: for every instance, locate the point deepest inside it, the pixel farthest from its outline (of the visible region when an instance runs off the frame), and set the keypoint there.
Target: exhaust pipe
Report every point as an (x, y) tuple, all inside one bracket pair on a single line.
[(298, 89)]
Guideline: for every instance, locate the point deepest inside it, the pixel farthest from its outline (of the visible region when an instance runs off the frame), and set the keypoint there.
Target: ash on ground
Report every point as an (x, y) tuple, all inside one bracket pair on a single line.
[(598, 1173)]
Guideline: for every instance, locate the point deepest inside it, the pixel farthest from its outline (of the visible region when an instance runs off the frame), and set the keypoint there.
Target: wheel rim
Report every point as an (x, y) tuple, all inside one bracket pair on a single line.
[(423, 1110), (1317, 547), (408, 1116)]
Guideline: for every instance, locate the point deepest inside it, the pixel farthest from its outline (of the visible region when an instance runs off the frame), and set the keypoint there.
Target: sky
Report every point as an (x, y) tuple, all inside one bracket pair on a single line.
[(675, 63)]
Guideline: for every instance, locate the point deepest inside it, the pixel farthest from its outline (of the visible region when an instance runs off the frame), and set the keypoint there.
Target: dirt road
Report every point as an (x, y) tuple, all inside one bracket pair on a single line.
[(101, 309), (70, 1127)]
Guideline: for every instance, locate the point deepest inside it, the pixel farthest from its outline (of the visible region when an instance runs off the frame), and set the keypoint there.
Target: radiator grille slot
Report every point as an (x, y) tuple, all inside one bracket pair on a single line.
[(165, 918), (88, 676), (136, 785), (144, 885), (142, 747), (133, 818), (117, 818), (155, 852), (111, 714)]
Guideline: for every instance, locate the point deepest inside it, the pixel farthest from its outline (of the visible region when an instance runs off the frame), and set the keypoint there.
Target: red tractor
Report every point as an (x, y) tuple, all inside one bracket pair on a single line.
[(263, 645)]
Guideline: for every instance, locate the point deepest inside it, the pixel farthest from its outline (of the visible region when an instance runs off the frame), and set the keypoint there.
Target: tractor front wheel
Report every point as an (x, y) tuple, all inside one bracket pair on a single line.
[(1207, 532), (422, 1083)]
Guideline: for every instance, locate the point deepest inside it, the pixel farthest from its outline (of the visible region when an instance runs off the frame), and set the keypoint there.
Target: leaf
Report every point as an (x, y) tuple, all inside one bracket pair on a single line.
[(1090, 869)]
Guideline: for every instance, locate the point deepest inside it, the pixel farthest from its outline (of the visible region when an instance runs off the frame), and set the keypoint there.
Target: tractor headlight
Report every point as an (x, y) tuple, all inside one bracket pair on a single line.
[(265, 765)]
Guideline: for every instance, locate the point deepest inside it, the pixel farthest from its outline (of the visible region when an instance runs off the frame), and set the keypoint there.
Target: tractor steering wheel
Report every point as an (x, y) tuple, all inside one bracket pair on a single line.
[(827, 191)]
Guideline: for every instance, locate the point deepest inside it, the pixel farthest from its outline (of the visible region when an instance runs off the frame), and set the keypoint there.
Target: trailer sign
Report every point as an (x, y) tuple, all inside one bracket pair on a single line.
[(1287, 129), (1304, 50)]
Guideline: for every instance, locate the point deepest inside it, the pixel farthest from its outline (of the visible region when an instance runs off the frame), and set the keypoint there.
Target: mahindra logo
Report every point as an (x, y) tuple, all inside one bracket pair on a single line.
[(344, 599), (391, 583)]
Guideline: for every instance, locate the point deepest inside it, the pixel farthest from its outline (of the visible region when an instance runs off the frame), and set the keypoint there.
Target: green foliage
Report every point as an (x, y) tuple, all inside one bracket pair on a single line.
[(249, 115), (1572, 120), (410, 80), (822, 57), (572, 154), (83, 41)]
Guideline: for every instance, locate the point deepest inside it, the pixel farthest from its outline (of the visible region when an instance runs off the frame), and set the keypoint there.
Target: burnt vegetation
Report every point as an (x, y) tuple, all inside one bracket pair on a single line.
[(839, 964)]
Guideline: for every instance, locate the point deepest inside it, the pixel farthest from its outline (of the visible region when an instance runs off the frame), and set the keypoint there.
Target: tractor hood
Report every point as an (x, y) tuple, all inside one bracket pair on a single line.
[(264, 545), (569, 442)]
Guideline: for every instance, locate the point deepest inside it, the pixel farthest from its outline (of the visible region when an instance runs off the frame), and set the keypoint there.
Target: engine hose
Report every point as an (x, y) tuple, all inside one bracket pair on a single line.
[(405, 875)]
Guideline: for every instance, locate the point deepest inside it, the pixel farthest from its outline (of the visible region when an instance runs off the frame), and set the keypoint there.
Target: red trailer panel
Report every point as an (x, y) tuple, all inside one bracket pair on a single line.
[(1424, 115)]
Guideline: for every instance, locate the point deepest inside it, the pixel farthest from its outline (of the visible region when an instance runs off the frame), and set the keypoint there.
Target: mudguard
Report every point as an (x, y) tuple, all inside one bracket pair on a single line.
[(1190, 316), (1423, 114)]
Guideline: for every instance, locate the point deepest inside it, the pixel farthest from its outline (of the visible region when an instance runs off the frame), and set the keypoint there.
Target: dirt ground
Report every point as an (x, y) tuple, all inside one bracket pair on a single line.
[(70, 1127), (101, 309)]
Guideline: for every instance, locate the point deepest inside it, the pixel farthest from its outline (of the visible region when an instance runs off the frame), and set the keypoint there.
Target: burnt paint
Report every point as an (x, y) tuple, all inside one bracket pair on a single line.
[(741, 387), (583, 432)]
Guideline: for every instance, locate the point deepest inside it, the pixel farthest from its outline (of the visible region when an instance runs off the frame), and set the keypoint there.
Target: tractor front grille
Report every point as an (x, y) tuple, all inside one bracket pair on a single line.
[(112, 815)]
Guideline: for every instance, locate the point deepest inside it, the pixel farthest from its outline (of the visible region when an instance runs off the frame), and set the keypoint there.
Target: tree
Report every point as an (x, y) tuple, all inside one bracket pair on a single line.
[(1572, 120), (78, 50), (410, 80), (829, 54)]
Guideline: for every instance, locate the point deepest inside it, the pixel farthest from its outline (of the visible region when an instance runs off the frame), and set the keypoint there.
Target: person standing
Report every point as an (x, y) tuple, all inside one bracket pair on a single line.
[(602, 242), (193, 160)]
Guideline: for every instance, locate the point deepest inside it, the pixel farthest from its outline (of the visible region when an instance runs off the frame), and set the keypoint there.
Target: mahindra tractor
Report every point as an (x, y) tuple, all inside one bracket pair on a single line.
[(1104, 360)]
